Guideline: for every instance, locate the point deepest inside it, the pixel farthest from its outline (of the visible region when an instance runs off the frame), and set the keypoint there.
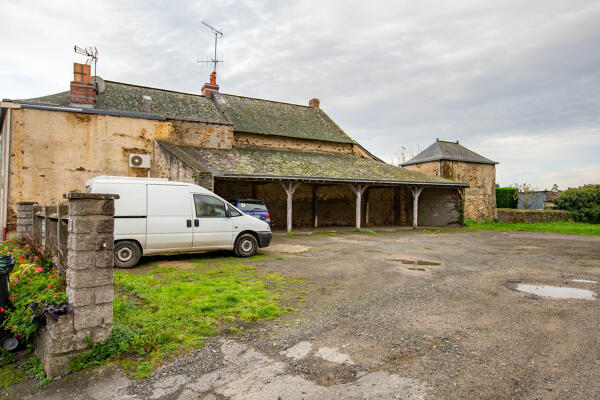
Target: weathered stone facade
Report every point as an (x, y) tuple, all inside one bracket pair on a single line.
[(480, 197)]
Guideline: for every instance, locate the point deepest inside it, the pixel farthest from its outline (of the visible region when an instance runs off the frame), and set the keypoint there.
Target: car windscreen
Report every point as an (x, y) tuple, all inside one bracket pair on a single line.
[(251, 205)]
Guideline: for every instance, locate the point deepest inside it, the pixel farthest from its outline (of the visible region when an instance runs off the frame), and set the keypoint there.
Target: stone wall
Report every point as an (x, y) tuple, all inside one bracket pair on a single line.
[(437, 207), (242, 139), (167, 166), (89, 280), (511, 216), (480, 197), (54, 152)]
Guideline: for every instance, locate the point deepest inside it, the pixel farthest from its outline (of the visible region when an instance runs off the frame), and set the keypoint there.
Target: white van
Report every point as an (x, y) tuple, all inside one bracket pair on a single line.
[(161, 216)]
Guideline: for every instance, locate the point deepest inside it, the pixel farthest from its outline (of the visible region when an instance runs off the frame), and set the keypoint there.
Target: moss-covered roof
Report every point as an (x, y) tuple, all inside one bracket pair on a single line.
[(282, 119), (267, 163), (168, 104), (452, 151)]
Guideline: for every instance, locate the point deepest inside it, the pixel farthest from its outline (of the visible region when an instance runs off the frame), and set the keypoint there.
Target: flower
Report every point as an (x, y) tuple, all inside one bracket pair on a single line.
[(49, 286), (38, 270), (1, 309), (27, 245), (15, 280)]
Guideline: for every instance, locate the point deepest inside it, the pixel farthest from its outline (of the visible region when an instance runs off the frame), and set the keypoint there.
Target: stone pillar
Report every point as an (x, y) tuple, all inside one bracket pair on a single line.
[(89, 283), (25, 218), (90, 260)]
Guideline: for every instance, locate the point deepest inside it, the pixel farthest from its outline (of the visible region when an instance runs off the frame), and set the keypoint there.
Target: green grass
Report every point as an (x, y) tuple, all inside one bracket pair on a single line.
[(573, 228), (9, 375), (170, 311), (329, 233)]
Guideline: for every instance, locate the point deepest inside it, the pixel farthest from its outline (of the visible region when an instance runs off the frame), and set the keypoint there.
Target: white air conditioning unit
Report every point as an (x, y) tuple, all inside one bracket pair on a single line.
[(139, 160)]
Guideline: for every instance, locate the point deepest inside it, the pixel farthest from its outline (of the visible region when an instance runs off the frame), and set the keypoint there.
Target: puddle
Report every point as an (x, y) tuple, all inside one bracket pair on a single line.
[(412, 262), (557, 292), (583, 281), (417, 269)]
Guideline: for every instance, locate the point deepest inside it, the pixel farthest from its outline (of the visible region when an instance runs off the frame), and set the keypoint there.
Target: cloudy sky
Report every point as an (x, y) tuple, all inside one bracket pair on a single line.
[(516, 81)]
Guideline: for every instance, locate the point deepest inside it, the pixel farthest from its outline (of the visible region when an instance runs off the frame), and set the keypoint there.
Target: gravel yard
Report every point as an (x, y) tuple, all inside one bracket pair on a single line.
[(397, 314)]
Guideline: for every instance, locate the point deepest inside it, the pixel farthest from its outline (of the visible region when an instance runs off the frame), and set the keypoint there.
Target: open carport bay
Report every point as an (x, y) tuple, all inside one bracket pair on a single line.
[(382, 320)]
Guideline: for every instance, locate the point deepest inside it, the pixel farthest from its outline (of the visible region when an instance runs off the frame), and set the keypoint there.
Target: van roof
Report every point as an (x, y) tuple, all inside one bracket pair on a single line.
[(130, 179)]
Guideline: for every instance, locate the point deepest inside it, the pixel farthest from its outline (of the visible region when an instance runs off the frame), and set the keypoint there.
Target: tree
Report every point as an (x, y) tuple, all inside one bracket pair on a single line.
[(525, 194)]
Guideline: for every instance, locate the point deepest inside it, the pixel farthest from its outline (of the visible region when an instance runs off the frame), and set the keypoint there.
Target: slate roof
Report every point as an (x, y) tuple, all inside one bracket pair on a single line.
[(452, 151), (284, 164), (126, 98), (282, 119)]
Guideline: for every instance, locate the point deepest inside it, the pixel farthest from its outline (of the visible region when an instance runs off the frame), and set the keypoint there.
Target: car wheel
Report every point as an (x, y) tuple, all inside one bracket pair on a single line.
[(127, 254), (245, 245)]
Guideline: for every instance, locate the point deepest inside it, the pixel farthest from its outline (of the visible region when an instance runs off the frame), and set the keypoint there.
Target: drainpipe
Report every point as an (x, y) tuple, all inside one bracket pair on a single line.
[(6, 171)]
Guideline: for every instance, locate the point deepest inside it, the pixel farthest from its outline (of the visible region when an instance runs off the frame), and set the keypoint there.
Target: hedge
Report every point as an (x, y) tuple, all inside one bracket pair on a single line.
[(505, 197), (582, 202)]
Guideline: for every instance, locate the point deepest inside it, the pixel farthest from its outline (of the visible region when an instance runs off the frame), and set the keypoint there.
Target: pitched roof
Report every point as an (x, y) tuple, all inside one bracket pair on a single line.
[(452, 151), (124, 97), (284, 164), (282, 119)]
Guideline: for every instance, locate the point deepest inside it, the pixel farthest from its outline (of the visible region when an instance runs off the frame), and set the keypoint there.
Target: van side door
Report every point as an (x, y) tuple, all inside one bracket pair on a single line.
[(212, 225), (169, 221)]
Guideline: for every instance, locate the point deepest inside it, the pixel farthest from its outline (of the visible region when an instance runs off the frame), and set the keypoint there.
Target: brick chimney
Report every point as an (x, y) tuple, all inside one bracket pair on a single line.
[(208, 88), (314, 103), (82, 90)]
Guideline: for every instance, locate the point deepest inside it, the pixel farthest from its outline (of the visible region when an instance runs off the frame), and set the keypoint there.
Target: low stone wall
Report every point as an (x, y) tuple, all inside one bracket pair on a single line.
[(89, 279), (510, 215)]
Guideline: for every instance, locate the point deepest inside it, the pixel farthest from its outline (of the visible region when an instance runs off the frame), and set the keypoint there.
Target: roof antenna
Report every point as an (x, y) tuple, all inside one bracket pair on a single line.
[(91, 53), (218, 35)]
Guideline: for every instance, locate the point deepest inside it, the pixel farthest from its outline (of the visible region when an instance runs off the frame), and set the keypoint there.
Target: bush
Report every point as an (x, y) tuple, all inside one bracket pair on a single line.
[(583, 203), (506, 197)]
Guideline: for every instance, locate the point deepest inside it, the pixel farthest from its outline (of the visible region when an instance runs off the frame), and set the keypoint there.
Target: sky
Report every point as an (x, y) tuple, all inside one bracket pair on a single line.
[(515, 81)]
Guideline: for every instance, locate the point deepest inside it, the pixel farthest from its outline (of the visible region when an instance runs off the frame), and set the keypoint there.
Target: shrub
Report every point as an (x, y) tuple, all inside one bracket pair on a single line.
[(36, 289), (506, 197), (582, 202)]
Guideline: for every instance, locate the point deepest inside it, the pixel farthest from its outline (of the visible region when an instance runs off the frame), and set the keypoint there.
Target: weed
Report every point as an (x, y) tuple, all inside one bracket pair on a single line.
[(33, 366), (329, 233)]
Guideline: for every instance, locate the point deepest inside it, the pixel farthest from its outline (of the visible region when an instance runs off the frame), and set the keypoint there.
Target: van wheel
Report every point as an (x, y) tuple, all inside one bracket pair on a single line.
[(245, 245), (127, 254)]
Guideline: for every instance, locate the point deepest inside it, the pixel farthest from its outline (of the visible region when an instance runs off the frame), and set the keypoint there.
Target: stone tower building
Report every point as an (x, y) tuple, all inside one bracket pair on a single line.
[(452, 161)]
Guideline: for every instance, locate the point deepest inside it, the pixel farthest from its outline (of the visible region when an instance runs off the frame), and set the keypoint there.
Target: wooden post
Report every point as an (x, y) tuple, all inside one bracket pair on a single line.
[(358, 192), (416, 192), (289, 188), (396, 205), (367, 206), (315, 206)]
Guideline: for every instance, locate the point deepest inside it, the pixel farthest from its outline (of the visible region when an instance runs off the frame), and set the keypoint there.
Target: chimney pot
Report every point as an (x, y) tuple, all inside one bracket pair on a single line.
[(314, 103)]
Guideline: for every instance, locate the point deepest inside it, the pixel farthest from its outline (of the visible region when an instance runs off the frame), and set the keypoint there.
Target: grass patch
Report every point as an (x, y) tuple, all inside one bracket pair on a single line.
[(572, 228), (9, 375), (329, 233), (169, 311)]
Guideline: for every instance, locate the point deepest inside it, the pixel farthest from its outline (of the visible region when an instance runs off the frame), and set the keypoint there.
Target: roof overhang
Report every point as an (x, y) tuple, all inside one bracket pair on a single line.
[(338, 180), (447, 159)]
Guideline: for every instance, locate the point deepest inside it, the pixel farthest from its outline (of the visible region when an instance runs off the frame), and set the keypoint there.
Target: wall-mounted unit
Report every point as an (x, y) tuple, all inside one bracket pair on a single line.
[(139, 160)]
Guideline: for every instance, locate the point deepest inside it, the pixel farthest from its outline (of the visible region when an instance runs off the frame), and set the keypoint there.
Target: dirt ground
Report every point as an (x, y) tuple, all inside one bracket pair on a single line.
[(396, 315)]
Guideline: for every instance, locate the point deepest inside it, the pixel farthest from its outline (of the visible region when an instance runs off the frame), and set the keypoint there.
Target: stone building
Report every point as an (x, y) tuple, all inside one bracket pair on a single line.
[(237, 146), (452, 161)]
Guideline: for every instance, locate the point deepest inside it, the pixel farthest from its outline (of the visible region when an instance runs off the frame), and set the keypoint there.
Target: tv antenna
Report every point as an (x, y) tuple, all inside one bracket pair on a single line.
[(218, 35), (91, 53)]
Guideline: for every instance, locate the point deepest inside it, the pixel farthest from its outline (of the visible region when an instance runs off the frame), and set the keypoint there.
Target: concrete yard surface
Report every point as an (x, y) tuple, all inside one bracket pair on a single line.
[(395, 315)]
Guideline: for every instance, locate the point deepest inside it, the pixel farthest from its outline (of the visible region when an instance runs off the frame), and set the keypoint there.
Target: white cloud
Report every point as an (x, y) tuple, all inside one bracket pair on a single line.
[(513, 80)]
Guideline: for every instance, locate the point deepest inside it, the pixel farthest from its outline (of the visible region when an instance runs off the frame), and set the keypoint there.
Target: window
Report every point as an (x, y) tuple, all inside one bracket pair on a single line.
[(233, 212), (209, 207), (252, 205)]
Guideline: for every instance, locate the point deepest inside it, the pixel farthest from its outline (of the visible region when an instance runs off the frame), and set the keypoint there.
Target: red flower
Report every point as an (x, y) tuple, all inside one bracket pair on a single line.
[(27, 245), (1, 309), (49, 286)]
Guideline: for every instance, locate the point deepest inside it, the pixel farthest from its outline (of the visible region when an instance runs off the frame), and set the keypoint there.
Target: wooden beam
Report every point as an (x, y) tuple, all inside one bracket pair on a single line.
[(367, 206), (358, 192), (416, 192), (315, 188), (289, 188)]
